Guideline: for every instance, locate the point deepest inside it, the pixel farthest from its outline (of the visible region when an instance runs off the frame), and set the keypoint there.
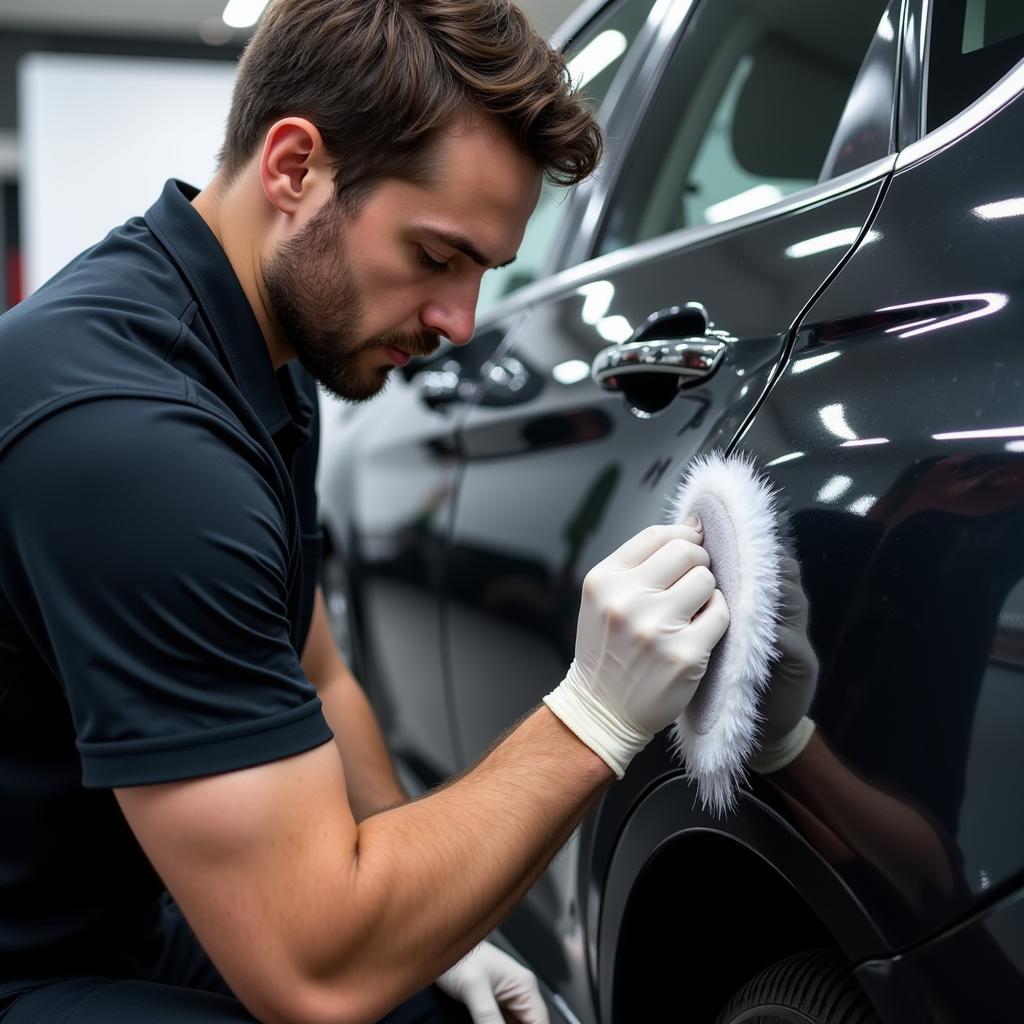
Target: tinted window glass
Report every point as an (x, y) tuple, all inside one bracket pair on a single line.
[(973, 44), (594, 58), (745, 114)]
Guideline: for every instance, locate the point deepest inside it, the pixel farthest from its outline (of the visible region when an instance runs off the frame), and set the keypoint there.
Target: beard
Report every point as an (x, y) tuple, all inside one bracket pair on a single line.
[(313, 296)]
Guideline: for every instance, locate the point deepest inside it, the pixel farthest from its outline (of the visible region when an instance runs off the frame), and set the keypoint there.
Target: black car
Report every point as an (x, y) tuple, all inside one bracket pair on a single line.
[(831, 196)]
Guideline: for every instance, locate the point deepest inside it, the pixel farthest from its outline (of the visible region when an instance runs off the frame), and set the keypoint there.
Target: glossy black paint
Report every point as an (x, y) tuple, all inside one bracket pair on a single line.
[(909, 521), (972, 972), (468, 524), (517, 558)]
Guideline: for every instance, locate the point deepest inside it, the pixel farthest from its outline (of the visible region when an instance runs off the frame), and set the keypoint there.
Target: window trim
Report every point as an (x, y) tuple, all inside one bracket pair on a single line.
[(653, 248), (986, 106), (910, 98)]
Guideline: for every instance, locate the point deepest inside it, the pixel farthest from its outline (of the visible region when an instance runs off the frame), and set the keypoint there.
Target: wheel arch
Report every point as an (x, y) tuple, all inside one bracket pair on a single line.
[(694, 906)]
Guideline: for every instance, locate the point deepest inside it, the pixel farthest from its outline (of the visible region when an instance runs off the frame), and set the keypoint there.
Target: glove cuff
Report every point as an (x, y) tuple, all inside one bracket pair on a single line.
[(614, 740), (775, 757)]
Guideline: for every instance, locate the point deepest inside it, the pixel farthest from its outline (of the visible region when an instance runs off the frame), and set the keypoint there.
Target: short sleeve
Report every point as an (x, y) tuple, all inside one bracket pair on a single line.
[(149, 562)]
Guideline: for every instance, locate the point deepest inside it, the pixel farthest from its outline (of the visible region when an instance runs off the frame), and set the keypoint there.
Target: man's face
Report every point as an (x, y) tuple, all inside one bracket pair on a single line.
[(356, 295)]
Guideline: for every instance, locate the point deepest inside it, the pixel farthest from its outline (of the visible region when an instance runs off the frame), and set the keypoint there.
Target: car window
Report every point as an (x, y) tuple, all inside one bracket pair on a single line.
[(745, 113), (972, 44), (594, 57)]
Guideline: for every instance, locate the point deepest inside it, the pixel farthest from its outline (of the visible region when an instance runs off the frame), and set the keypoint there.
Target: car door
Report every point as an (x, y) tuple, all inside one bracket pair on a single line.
[(388, 467), (755, 142), (895, 438)]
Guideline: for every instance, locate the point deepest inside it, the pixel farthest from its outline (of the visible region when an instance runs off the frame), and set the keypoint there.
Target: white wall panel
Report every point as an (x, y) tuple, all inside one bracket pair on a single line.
[(100, 136)]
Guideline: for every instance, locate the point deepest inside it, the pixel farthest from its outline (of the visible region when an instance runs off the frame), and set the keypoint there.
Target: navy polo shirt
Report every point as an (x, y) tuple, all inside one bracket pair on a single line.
[(158, 559)]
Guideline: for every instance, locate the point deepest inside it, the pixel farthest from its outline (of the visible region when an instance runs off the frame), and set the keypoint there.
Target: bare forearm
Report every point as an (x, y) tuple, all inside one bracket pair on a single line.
[(369, 773), (887, 832), (829, 790), (434, 876)]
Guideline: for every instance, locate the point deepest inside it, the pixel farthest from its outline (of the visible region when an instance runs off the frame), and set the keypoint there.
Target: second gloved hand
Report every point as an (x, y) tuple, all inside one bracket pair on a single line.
[(786, 729), (489, 981), (649, 619)]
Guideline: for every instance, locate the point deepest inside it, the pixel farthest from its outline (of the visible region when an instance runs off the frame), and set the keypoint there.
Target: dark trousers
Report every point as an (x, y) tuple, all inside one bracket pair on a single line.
[(109, 1001), (167, 978)]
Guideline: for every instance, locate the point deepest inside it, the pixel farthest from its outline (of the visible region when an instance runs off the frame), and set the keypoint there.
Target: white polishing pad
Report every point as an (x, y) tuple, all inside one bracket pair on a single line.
[(716, 734)]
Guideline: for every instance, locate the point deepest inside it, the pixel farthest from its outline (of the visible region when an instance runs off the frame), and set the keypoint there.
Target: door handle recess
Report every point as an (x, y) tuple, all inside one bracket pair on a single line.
[(670, 350)]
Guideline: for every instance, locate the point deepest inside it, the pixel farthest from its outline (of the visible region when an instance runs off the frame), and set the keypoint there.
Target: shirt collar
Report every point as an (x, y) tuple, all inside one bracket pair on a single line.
[(203, 263)]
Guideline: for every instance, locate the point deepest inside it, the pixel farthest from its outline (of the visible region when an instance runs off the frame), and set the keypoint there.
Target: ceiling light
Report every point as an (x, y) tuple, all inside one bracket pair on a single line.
[(746, 202), (594, 58), (597, 298), (862, 506), (809, 362), (785, 458), (835, 421), (1003, 208), (822, 243), (615, 328), (243, 13), (834, 488), (571, 371), (977, 435)]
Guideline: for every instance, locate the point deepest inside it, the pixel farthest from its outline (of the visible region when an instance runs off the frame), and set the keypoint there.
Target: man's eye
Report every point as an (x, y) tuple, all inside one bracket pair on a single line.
[(434, 266)]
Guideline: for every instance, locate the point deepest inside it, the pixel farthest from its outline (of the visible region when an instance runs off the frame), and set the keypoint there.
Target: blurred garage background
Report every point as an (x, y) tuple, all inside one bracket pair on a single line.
[(101, 101)]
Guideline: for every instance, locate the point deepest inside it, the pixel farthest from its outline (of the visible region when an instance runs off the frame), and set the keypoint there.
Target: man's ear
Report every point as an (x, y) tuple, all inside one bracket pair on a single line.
[(293, 166)]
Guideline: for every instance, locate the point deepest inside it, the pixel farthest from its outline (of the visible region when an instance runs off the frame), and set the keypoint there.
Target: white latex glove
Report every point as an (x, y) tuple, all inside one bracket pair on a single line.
[(648, 621), (488, 981), (786, 729)]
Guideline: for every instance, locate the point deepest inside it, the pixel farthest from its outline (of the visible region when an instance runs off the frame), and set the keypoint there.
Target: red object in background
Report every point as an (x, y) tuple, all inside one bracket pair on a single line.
[(14, 277)]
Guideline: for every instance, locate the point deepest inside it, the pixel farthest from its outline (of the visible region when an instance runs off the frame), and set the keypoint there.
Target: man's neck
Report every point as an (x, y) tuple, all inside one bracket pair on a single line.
[(229, 214)]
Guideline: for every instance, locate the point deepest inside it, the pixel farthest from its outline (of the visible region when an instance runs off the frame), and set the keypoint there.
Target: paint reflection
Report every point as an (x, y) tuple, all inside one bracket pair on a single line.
[(918, 653), (846, 817), (949, 311)]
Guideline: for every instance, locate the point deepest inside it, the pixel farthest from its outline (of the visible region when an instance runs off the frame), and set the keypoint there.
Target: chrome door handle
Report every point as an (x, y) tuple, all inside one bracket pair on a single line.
[(686, 357), (666, 342)]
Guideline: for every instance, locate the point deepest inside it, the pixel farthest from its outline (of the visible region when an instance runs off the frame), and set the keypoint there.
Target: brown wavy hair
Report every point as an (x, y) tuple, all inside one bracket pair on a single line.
[(381, 79)]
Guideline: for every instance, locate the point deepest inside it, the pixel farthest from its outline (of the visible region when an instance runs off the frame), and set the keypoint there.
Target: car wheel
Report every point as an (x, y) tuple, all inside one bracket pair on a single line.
[(814, 987)]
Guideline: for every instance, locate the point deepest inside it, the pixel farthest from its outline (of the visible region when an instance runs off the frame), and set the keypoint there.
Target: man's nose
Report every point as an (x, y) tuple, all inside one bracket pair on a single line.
[(454, 315)]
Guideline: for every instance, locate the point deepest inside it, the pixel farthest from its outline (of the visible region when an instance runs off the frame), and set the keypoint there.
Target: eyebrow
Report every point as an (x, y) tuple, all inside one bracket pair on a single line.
[(465, 246)]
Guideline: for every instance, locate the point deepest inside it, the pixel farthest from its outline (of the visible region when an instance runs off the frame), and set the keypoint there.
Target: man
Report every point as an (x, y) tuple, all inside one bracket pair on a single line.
[(162, 743)]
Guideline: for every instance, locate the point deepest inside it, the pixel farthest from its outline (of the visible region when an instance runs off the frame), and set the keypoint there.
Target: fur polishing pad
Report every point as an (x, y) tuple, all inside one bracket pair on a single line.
[(717, 732)]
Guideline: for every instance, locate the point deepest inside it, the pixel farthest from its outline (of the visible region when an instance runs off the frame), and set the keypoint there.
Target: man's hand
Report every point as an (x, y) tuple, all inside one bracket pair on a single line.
[(489, 981), (648, 621)]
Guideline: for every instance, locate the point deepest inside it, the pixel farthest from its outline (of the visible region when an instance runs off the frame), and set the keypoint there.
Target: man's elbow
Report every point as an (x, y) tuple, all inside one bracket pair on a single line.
[(310, 1003)]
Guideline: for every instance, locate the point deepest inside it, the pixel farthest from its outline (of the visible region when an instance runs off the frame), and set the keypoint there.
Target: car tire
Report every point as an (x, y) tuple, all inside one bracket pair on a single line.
[(813, 987)]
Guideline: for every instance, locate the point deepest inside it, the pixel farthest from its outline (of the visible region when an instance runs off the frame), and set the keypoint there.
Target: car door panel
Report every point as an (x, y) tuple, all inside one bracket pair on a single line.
[(895, 437)]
